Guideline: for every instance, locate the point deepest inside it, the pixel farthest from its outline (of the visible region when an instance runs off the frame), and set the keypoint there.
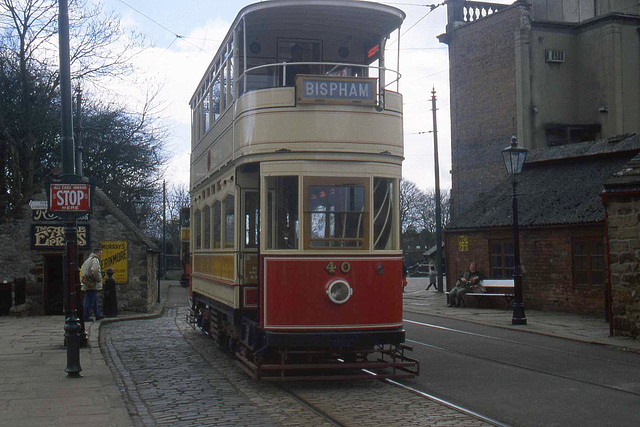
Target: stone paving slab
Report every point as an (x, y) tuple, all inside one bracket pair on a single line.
[(36, 391)]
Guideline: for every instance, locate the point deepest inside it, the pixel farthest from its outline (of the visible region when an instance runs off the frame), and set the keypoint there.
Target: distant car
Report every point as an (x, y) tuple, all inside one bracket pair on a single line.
[(418, 270)]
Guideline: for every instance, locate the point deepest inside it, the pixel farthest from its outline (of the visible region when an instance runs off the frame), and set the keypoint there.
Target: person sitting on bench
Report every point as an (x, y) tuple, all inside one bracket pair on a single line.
[(467, 280)]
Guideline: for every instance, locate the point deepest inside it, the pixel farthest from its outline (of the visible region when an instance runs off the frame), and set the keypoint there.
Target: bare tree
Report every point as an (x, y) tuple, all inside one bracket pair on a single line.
[(29, 80), (427, 210), (410, 197)]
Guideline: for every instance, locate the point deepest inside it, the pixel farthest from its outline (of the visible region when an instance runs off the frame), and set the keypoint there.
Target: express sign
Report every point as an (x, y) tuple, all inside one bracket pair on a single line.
[(70, 198)]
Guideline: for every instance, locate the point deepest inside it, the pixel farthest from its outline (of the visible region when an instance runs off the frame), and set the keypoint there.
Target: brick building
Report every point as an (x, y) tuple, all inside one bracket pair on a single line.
[(563, 76), (552, 72), (562, 226)]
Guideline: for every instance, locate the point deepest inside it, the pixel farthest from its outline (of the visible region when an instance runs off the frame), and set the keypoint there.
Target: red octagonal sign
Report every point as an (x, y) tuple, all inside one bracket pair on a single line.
[(70, 198)]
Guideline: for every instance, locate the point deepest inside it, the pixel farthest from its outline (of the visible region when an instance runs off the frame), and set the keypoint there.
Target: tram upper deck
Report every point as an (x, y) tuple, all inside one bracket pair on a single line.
[(301, 76)]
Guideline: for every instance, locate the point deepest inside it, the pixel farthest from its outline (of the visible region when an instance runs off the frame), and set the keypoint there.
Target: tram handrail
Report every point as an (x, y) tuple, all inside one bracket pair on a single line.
[(243, 76)]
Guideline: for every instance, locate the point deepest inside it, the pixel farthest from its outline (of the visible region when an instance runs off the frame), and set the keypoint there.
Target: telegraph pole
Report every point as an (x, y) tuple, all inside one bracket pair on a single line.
[(164, 230), (439, 268)]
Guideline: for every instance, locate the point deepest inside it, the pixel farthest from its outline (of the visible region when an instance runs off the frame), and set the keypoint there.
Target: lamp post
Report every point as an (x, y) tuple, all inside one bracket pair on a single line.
[(138, 204), (514, 158)]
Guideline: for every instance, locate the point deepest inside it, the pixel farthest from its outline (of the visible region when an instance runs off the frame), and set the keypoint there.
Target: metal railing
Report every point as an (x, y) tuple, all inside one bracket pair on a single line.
[(278, 76)]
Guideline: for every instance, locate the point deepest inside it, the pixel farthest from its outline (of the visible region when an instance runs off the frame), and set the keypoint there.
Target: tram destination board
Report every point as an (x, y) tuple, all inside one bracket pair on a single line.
[(335, 90), (70, 198)]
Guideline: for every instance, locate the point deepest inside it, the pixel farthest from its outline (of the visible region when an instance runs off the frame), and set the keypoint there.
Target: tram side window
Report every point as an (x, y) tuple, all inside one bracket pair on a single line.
[(217, 224), (206, 105), (215, 99), (336, 216), (282, 217), (229, 221), (197, 218), (384, 236), (207, 227)]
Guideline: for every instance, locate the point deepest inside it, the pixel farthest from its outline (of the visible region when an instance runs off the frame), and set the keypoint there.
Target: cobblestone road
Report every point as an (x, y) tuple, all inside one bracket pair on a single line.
[(171, 374)]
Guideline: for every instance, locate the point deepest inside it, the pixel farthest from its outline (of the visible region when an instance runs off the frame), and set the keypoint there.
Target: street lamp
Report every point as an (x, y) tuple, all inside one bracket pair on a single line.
[(514, 158), (138, 204)]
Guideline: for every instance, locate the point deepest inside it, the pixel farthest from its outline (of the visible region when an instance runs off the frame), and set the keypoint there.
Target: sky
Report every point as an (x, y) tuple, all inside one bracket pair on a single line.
[(186, 34)]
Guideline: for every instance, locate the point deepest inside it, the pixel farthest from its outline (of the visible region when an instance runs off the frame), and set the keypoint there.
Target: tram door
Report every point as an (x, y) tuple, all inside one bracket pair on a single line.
[(249, 249), (248, 259)]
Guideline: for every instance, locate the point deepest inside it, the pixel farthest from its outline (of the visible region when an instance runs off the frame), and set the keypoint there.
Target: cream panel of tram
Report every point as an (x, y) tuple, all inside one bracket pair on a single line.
[(338, 128), (214, 150)]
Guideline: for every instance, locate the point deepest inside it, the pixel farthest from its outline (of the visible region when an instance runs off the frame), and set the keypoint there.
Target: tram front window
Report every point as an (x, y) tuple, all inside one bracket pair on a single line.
[(384, 228), (336, 215), (282, 216)]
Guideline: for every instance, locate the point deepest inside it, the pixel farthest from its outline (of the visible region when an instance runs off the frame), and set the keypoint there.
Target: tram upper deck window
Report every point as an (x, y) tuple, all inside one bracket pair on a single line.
[(336, 214), (282, 212)]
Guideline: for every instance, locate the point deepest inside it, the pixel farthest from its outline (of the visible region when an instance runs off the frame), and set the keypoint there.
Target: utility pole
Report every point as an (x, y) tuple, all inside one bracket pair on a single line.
[(439, 268), (164, 229)]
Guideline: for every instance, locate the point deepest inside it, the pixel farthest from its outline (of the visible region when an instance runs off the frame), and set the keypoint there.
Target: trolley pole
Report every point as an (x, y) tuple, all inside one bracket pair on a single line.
[(72, 326), (439, 268)]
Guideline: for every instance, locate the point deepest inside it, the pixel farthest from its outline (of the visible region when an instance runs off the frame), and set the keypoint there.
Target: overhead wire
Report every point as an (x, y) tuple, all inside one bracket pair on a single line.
[(176, 35)]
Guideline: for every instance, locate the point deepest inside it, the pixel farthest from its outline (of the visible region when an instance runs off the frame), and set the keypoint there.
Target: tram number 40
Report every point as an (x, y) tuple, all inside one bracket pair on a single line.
[(332, 268)]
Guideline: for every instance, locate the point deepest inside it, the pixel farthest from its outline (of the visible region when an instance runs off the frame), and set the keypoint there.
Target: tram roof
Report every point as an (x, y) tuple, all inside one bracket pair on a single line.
[(326, 16)]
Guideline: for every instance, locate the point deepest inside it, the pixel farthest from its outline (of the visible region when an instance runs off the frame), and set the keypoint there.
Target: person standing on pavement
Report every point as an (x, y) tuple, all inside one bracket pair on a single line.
[(404, 274), (433, 277), (91, 277), (467, 280)]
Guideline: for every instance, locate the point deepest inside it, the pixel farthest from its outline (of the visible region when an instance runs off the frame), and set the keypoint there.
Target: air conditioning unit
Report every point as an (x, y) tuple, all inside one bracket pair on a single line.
[(551, 55)]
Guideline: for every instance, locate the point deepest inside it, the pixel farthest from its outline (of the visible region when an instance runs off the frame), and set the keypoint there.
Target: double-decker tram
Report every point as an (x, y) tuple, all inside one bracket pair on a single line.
[(297, 151)]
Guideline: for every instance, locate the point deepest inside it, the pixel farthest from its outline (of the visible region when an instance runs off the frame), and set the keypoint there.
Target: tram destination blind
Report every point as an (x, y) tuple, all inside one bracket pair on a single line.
[(331, 90)]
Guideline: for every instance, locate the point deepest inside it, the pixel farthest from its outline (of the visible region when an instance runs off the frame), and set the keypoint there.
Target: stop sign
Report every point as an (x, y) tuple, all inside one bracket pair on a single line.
[(70, 198)]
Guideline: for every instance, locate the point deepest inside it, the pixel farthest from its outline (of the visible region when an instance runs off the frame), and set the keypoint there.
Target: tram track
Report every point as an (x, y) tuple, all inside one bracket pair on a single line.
[(516, 365), (304, 402), (446, 403)]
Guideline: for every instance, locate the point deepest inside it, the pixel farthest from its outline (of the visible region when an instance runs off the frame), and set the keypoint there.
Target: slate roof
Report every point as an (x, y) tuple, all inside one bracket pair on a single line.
[(557, 186), (627, 179)]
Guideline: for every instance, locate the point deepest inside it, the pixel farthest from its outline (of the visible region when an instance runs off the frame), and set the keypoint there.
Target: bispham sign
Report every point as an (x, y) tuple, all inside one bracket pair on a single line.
[(70, 197)]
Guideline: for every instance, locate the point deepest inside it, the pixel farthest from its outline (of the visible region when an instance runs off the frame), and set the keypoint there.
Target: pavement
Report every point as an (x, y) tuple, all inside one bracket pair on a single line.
[(578, 327), (36, 391)]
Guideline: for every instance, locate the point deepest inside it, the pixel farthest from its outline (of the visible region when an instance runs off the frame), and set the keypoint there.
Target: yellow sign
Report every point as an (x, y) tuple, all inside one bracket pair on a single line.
[(114, 255), (463, 243)]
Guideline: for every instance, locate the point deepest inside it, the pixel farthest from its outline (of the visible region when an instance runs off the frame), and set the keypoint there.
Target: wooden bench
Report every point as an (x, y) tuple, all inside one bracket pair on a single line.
[(492, 288)]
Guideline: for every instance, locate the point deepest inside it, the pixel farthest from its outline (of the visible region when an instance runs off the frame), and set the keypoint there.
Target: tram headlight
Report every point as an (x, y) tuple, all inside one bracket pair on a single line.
[(339, 291)]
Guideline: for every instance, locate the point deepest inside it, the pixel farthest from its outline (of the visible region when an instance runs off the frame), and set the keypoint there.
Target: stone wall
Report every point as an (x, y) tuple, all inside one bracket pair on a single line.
[(546, 258), (623, 217)]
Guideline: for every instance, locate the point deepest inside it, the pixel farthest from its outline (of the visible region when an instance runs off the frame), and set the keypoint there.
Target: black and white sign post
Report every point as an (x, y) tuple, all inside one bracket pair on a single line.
[(69, 197)]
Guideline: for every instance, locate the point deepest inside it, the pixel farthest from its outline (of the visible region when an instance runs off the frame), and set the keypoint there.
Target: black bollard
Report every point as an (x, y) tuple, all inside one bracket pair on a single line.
[(110, 299), (72, 340)]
